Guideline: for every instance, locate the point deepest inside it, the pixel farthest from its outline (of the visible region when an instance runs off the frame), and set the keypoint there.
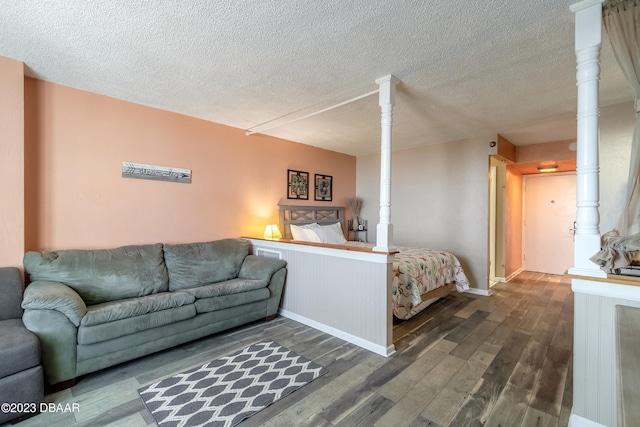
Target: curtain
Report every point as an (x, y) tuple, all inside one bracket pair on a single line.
[(621, 19)]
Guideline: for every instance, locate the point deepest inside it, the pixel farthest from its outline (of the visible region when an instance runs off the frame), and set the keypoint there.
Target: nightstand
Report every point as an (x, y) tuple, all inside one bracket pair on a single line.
[(358, 232)]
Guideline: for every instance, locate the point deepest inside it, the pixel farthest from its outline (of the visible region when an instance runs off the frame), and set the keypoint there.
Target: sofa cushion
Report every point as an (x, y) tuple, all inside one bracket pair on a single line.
[(11, 289), (130, 325), (103, 275), (205, 305), (116, 310), (25, 386), (19, 348), (99, 355), (227, 287), (196, 264)]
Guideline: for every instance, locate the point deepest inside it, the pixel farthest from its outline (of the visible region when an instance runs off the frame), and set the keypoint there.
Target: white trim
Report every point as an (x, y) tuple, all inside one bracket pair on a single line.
[(252, 130), (377, 257), (476, 291), (584, 4), (493, 208), (495, 281), (367, 345), (604, 289), (588, 272), (513, 275), (578, 421)]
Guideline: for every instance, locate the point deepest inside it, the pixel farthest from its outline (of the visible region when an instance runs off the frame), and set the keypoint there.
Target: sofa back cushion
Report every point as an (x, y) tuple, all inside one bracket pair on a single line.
[(196, 264), (105, 274)]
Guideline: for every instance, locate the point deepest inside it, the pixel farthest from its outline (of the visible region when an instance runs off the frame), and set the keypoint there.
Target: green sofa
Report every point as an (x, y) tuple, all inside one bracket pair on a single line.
[(92, 309)]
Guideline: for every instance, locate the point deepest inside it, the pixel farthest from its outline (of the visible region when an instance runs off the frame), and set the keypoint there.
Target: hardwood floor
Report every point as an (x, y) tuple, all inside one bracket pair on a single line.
[(468, 360)]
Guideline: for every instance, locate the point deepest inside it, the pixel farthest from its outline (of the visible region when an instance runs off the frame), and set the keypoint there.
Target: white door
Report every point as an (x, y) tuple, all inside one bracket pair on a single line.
[(549, 213)]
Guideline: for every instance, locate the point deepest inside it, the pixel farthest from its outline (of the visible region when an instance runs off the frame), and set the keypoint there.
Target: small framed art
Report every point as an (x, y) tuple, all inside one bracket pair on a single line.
[(324, 188), (297, 185)]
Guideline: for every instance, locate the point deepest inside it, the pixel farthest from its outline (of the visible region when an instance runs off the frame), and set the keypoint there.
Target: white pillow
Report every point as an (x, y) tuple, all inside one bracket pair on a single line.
[(310, 234), (330, 234), (299, 232)]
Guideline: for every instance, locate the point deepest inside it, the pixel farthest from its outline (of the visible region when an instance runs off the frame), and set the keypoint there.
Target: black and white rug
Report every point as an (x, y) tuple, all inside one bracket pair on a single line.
[(227, 390)]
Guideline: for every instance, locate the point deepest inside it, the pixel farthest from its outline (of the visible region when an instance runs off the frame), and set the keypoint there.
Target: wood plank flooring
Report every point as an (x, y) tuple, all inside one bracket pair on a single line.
[(468, 360)]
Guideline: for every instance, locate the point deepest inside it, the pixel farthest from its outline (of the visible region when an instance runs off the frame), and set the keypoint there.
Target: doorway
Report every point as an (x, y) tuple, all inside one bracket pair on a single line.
[(549, 213), (497, 220)]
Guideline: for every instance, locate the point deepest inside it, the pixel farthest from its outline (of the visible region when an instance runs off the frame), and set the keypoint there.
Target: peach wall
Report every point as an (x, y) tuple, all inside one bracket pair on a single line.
[(513, 242), (12, 226), (78, 141)]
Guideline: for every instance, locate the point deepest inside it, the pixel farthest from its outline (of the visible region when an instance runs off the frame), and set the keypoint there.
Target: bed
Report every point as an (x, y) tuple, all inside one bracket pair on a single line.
[(420, 276)]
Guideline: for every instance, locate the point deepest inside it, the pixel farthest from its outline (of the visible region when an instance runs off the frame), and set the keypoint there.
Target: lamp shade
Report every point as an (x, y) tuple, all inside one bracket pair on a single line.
[(272, 232)]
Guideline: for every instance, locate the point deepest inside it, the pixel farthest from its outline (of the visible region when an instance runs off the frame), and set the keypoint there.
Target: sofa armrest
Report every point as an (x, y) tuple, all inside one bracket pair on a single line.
[(260, 268), (270, 269), (58, 343), (45, 295), (276, 287)]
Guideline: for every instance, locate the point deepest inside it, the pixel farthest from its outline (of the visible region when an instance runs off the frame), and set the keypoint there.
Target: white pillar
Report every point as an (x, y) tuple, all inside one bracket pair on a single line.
[(588, 26), (387, 99)]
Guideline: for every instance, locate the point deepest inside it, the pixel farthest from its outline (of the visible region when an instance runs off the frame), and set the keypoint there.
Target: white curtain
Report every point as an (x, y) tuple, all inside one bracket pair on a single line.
[(621, 20)]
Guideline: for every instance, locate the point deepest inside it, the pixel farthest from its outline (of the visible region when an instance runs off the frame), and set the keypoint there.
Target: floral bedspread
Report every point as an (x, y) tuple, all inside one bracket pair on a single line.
[(416, 271), (419, 270)]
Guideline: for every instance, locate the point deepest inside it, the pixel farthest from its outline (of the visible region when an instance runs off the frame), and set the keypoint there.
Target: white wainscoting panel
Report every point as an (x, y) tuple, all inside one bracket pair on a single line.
[(594, 350), (344, 293)]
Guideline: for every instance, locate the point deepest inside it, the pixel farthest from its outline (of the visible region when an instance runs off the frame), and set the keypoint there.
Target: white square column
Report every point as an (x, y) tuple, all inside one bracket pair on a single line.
[(588, 33), (387, 99)]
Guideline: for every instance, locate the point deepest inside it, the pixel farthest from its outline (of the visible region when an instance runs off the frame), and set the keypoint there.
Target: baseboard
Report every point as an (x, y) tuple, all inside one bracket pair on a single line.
[(495, 280), (512, 275), (475, 291), (360, 342), (578, 421)]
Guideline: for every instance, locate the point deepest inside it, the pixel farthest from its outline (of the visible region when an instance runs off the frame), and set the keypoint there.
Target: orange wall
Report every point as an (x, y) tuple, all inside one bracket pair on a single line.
[(76, 143), (513, 243), (12, 226)]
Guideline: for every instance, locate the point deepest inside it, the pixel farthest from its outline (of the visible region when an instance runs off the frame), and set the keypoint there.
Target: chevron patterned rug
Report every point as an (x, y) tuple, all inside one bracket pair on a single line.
[(225, 391)]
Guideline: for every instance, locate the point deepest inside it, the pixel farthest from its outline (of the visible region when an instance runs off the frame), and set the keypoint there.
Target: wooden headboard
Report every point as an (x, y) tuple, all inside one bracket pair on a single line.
[(300, 215)]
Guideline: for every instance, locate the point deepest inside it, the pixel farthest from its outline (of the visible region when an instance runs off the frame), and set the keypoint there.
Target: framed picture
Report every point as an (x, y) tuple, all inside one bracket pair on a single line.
[(297, 185), (156, 173), (324, 188)]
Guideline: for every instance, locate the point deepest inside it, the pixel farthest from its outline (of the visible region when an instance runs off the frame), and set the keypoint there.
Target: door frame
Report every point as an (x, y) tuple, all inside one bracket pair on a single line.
[(493, 176)]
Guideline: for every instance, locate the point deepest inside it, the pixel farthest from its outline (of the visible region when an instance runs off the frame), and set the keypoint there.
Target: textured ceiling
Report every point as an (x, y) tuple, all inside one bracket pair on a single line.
[(469, 68)]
